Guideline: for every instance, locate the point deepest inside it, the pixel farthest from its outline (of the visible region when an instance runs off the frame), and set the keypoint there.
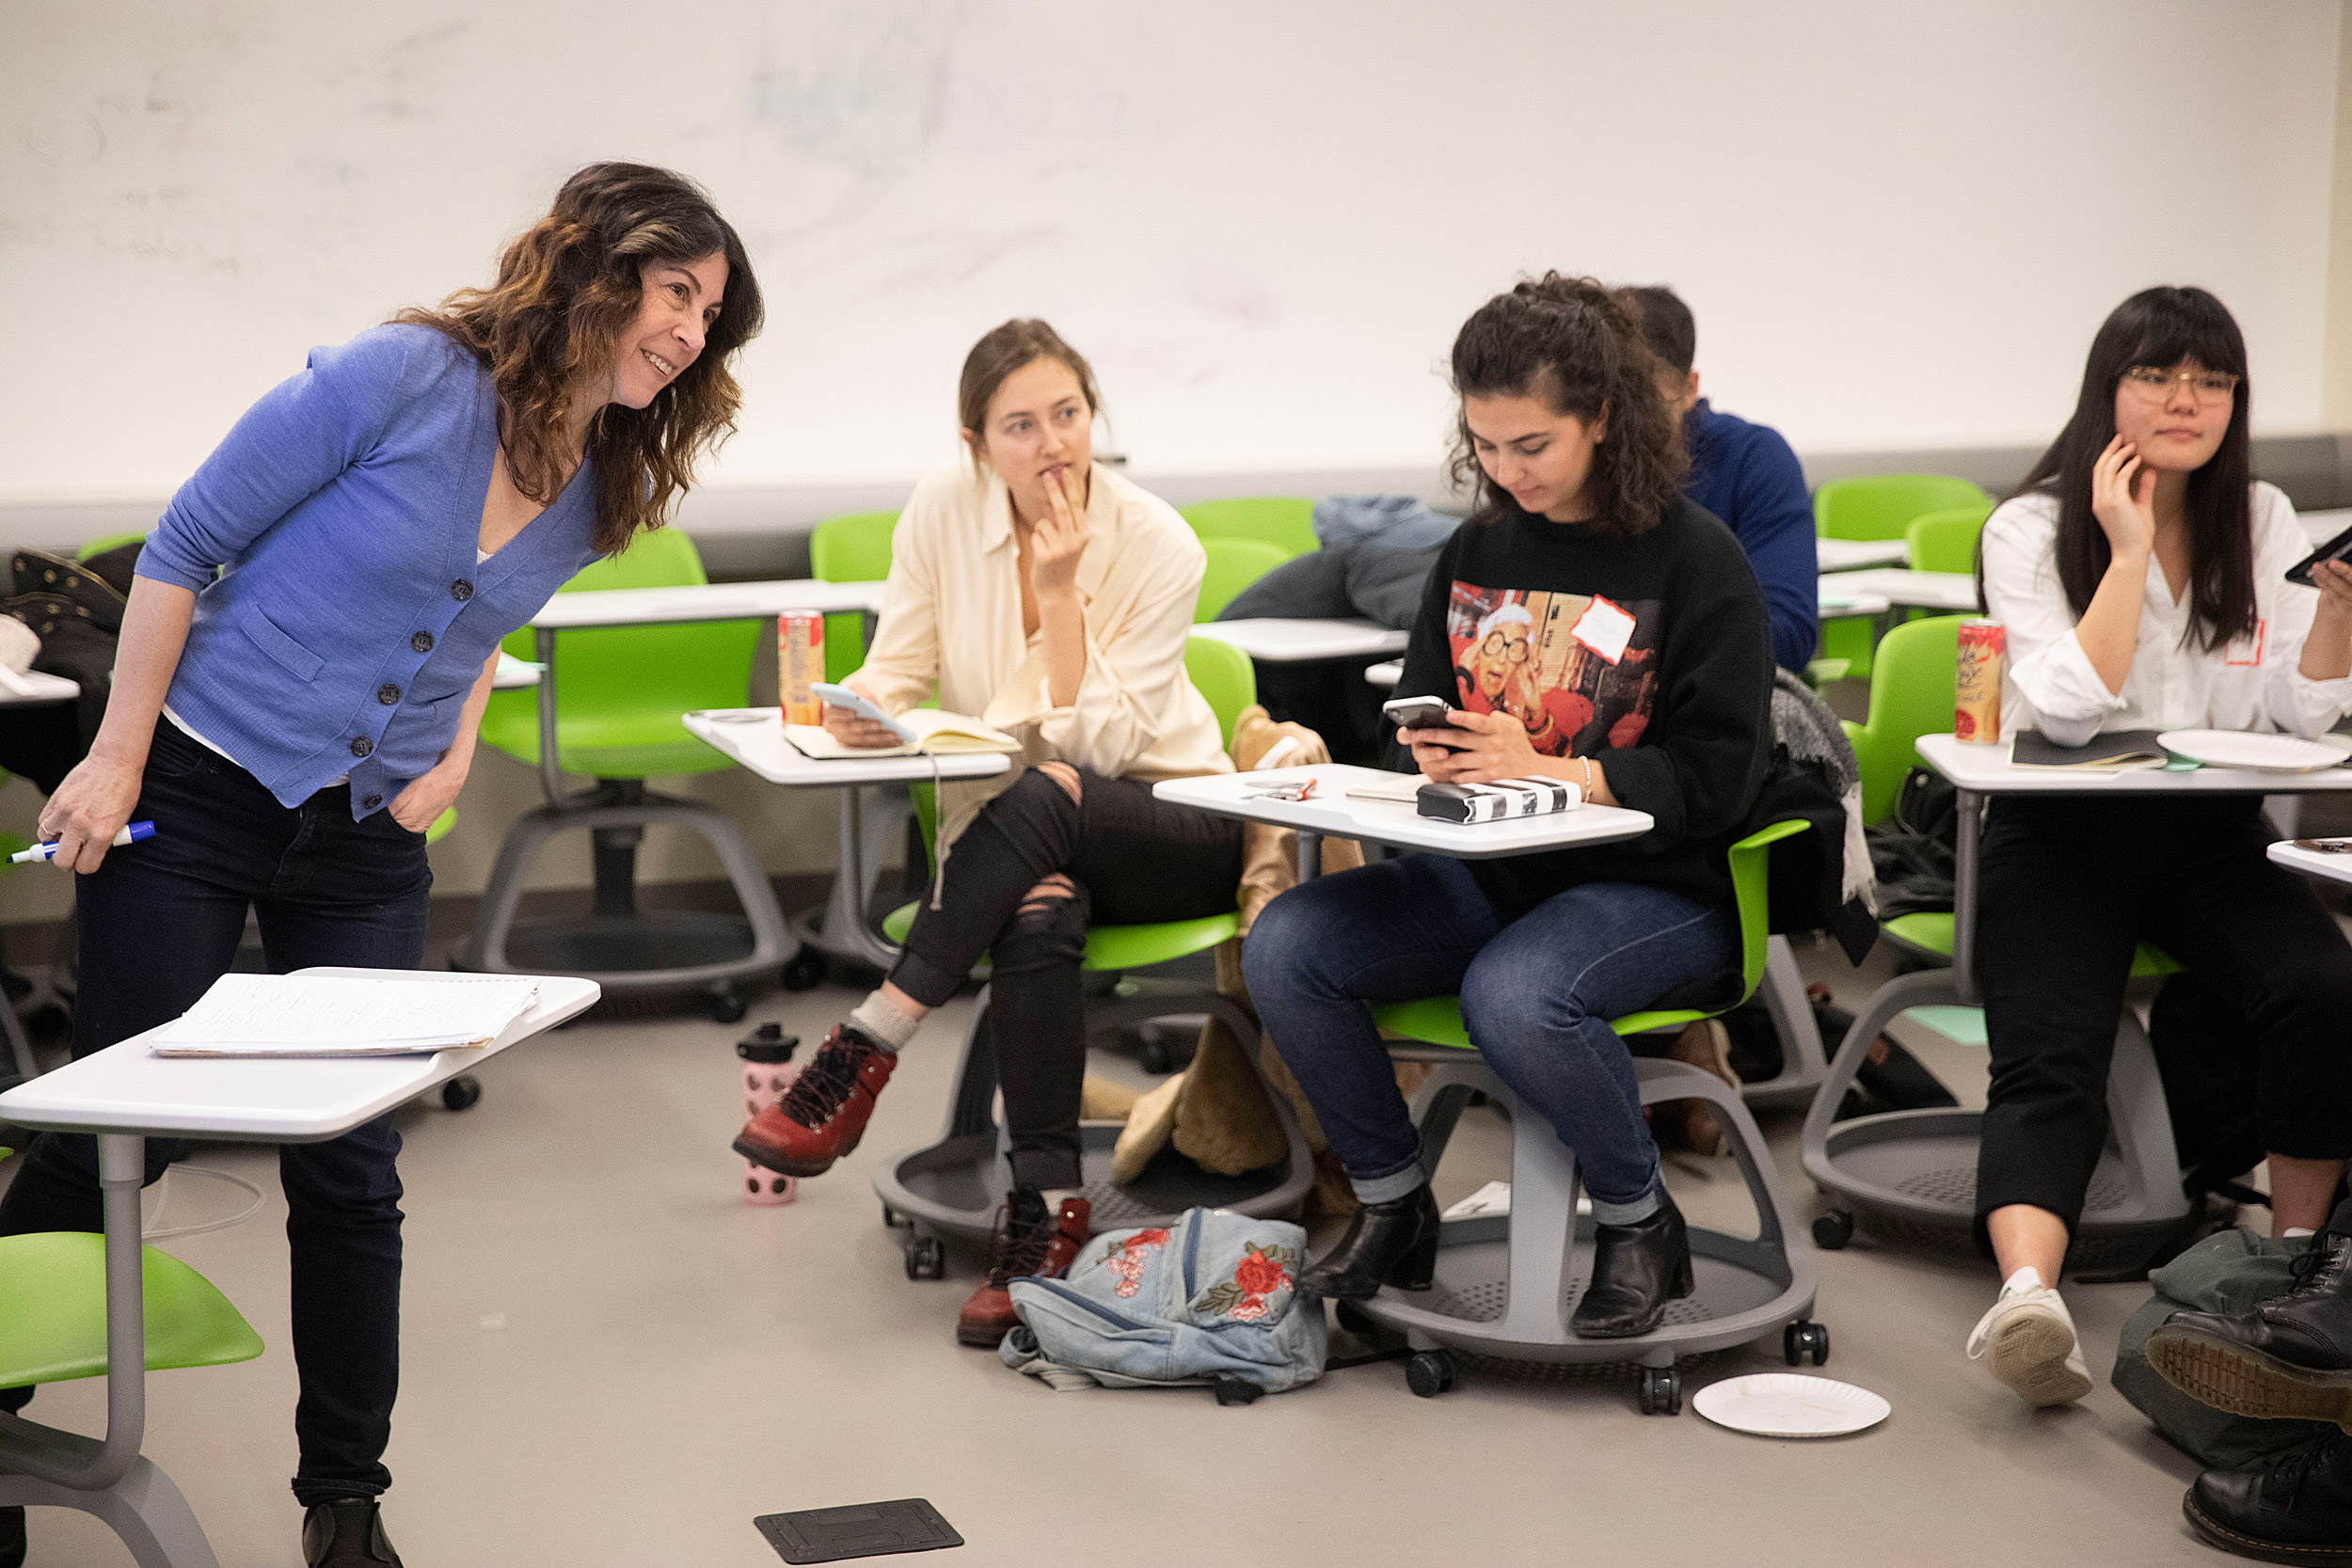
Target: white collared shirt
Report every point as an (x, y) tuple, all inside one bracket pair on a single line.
[(2175, 682), (951, 615)]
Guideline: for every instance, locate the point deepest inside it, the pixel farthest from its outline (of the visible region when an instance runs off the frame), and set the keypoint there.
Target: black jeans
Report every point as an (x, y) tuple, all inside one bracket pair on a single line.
[(158, 923), (1131, 859), (2067, 888)]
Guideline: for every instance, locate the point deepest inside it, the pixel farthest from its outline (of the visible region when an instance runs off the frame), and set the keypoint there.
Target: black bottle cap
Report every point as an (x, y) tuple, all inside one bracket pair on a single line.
[(768, 1043)]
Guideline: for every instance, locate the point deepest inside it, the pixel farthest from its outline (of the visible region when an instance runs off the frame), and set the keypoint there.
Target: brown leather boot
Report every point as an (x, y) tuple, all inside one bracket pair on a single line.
[(823, 1114), (1027, 1241)]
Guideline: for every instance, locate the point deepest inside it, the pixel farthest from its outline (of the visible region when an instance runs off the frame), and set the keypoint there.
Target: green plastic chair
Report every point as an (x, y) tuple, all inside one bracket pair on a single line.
[(1946, 541), (1235, 563), (109, 542), (440, 826), (622, 688), (53, 1311), (1438, 1020), (1223, 676), (852, 548), (1881, 506), (1287, 522)]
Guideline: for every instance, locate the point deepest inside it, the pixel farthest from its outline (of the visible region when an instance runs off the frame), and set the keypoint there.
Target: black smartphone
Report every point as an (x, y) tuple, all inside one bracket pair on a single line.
[(2338, 549), (1418, 713)]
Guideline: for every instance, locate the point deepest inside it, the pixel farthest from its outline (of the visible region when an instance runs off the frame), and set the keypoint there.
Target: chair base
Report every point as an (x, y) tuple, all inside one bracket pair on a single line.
[(1802, 1061), (952, 1188), (144, 1509), (1507, 1284), (1911, 1176), (837, 929), (621, 947)]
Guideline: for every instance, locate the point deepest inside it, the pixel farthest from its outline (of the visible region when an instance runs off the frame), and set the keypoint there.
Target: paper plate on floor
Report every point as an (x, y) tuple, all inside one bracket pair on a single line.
[(1787, 1404), (2265, 753)]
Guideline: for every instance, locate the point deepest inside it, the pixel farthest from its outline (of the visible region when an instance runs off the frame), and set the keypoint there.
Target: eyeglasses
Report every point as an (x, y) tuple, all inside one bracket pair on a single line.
[(2156, 384), (1511, 650)]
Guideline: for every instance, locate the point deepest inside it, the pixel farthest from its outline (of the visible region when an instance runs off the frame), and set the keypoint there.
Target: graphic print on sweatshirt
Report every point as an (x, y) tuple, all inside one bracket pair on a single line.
[(1580, 671)]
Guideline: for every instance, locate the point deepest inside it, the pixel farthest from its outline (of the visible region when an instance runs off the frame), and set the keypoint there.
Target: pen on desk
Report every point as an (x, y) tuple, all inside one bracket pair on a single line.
[(131, 833)]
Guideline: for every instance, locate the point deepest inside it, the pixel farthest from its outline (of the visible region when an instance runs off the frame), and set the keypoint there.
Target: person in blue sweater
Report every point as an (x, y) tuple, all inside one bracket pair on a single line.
[(293, 725), (1746, 476)]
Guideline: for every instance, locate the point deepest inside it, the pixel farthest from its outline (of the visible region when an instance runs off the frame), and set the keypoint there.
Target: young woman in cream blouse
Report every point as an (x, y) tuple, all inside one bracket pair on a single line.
[(1051, 598), (2140, 573)]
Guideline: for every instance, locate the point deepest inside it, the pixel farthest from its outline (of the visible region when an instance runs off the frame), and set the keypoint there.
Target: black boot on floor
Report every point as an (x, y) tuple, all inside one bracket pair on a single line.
[(347, 1532), (1387, 1244), (1637, 1269), (2295, 1508), (11, 1537), (2288, 1359)]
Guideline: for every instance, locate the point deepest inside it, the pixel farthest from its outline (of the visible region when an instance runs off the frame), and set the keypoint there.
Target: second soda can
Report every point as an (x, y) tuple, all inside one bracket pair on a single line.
[(1983, 656), (799, 665)]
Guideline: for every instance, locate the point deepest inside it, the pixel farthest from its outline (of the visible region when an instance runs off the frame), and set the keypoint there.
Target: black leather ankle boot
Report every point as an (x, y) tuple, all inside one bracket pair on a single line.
[(12, 1526), (1387, 1244), (1637, 1269), (2288, 1359), (2294, 1507), (347, 1532)]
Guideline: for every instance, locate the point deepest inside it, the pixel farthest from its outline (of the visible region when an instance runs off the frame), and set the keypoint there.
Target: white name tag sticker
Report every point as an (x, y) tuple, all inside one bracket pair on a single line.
[(1603, 628), (2246, 652)]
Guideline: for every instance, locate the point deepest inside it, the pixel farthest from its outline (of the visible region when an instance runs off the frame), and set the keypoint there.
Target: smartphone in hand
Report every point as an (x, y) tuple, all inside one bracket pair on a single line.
[(1418, 713)]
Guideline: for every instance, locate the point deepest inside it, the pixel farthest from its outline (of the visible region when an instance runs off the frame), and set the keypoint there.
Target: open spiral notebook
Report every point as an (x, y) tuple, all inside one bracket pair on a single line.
[(345, 1015)]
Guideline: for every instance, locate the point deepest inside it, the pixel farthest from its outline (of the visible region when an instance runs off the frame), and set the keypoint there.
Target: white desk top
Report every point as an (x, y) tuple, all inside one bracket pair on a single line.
[(2319, 863), (1986, 770), (715, 601), (515, 673), (271, 1099), (1333, 813), (1836, 599), (1849, 554), (1950, 590), (1385, 676), (34, 687), (1285, 641), (753, 736)]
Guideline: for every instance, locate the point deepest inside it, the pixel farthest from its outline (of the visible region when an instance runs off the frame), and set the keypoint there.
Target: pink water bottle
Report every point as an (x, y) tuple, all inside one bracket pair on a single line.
[(768, 1072)]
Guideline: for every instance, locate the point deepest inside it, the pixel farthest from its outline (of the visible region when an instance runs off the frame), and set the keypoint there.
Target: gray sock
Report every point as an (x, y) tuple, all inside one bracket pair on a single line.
[(884, 1023)]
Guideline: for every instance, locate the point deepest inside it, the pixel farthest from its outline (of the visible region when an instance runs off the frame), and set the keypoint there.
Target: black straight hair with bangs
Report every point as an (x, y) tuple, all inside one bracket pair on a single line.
[(2160, 326)]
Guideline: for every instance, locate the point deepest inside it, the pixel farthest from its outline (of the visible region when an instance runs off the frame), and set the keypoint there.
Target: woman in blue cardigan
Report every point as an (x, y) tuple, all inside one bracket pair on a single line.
[(293, 724)]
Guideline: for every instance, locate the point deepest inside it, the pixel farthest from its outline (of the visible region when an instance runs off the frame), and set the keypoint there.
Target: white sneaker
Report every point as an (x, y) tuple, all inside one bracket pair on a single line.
[(2031, 1337)]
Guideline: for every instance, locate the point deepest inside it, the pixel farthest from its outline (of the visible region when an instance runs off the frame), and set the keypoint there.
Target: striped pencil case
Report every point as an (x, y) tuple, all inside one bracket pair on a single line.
[(1493, 803)]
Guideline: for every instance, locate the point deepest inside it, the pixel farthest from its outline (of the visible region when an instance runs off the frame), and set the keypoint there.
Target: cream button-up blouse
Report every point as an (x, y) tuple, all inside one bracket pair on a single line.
[(951, 615)]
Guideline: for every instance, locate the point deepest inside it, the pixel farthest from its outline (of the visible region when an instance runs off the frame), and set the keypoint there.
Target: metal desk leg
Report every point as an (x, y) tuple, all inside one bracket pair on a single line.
[(1965, 899), (839, 928), (1309, 855), (551, 776), (41, 1466)]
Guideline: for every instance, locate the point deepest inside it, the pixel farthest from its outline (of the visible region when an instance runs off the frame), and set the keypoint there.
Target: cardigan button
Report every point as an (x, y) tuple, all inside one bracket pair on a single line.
[(387, 693), (461, 589), (372, 802), (361, 745), (422, 642)]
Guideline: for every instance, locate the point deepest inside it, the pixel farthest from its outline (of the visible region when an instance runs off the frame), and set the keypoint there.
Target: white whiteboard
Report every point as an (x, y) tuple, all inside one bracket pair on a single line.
[(1899, 224)]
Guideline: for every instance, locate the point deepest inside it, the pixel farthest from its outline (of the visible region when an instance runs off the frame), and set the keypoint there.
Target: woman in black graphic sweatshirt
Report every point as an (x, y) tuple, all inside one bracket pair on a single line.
[(1589, 624)]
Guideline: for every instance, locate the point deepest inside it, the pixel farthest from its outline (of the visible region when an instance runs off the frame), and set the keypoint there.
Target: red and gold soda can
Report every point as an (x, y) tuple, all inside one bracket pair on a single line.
[(799, 665), (1983, 656)]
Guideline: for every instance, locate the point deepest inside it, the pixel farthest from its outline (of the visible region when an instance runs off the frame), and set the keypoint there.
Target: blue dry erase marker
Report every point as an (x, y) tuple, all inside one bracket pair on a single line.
[(131, 833)]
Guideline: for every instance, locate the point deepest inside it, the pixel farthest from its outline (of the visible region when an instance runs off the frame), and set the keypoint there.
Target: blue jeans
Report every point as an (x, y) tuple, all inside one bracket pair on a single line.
[(1537, 995), (158, 923)]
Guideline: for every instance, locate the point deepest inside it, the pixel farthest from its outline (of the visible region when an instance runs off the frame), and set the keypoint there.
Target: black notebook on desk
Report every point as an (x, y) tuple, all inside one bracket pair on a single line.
[(2111, 752)]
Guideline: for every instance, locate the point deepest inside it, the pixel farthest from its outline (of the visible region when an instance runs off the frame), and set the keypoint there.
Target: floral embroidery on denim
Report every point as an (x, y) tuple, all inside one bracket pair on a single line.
[(1260, 1273), (1127, 1262)]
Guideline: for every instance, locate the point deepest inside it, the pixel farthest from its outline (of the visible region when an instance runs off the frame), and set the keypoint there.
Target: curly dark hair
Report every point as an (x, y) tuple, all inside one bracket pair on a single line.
[(1578, 345), (566, 290)]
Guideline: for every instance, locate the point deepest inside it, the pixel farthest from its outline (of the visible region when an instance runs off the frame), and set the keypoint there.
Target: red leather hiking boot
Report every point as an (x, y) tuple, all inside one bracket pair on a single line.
[(823, 1114), (1027, 1241)]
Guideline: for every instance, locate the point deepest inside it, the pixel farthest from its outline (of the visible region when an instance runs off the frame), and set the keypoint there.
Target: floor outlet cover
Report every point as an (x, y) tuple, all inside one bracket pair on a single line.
[(861, 1529)]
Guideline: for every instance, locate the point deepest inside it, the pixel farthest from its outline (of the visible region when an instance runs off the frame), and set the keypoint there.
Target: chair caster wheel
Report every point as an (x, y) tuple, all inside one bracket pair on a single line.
[(1661, 1391), (1832, 1229), (1154, 1054), (1804, 1337), (925, 1258), (725, 1006), (1355, 1319), (805, 971), (897, 1221), (1431, 1373), (461, 1093)]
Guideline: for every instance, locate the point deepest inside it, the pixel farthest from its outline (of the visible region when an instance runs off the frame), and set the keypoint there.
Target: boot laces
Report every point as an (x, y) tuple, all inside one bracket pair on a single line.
[(820, 1090), (2287, 1476), (1019, 1246), (2319, 1268)]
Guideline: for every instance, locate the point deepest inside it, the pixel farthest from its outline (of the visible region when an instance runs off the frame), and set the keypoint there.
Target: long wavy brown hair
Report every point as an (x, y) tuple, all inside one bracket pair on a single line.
[(1577, 344), (548, 328)]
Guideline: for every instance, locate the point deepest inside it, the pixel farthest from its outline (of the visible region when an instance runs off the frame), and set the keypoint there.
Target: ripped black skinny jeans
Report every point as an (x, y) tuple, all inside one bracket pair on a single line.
[(1115, 856)]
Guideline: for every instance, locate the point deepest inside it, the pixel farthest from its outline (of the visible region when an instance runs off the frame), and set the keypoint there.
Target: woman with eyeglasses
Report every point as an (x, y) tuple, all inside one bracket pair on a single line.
[(1588, 624), (2141, 571)]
